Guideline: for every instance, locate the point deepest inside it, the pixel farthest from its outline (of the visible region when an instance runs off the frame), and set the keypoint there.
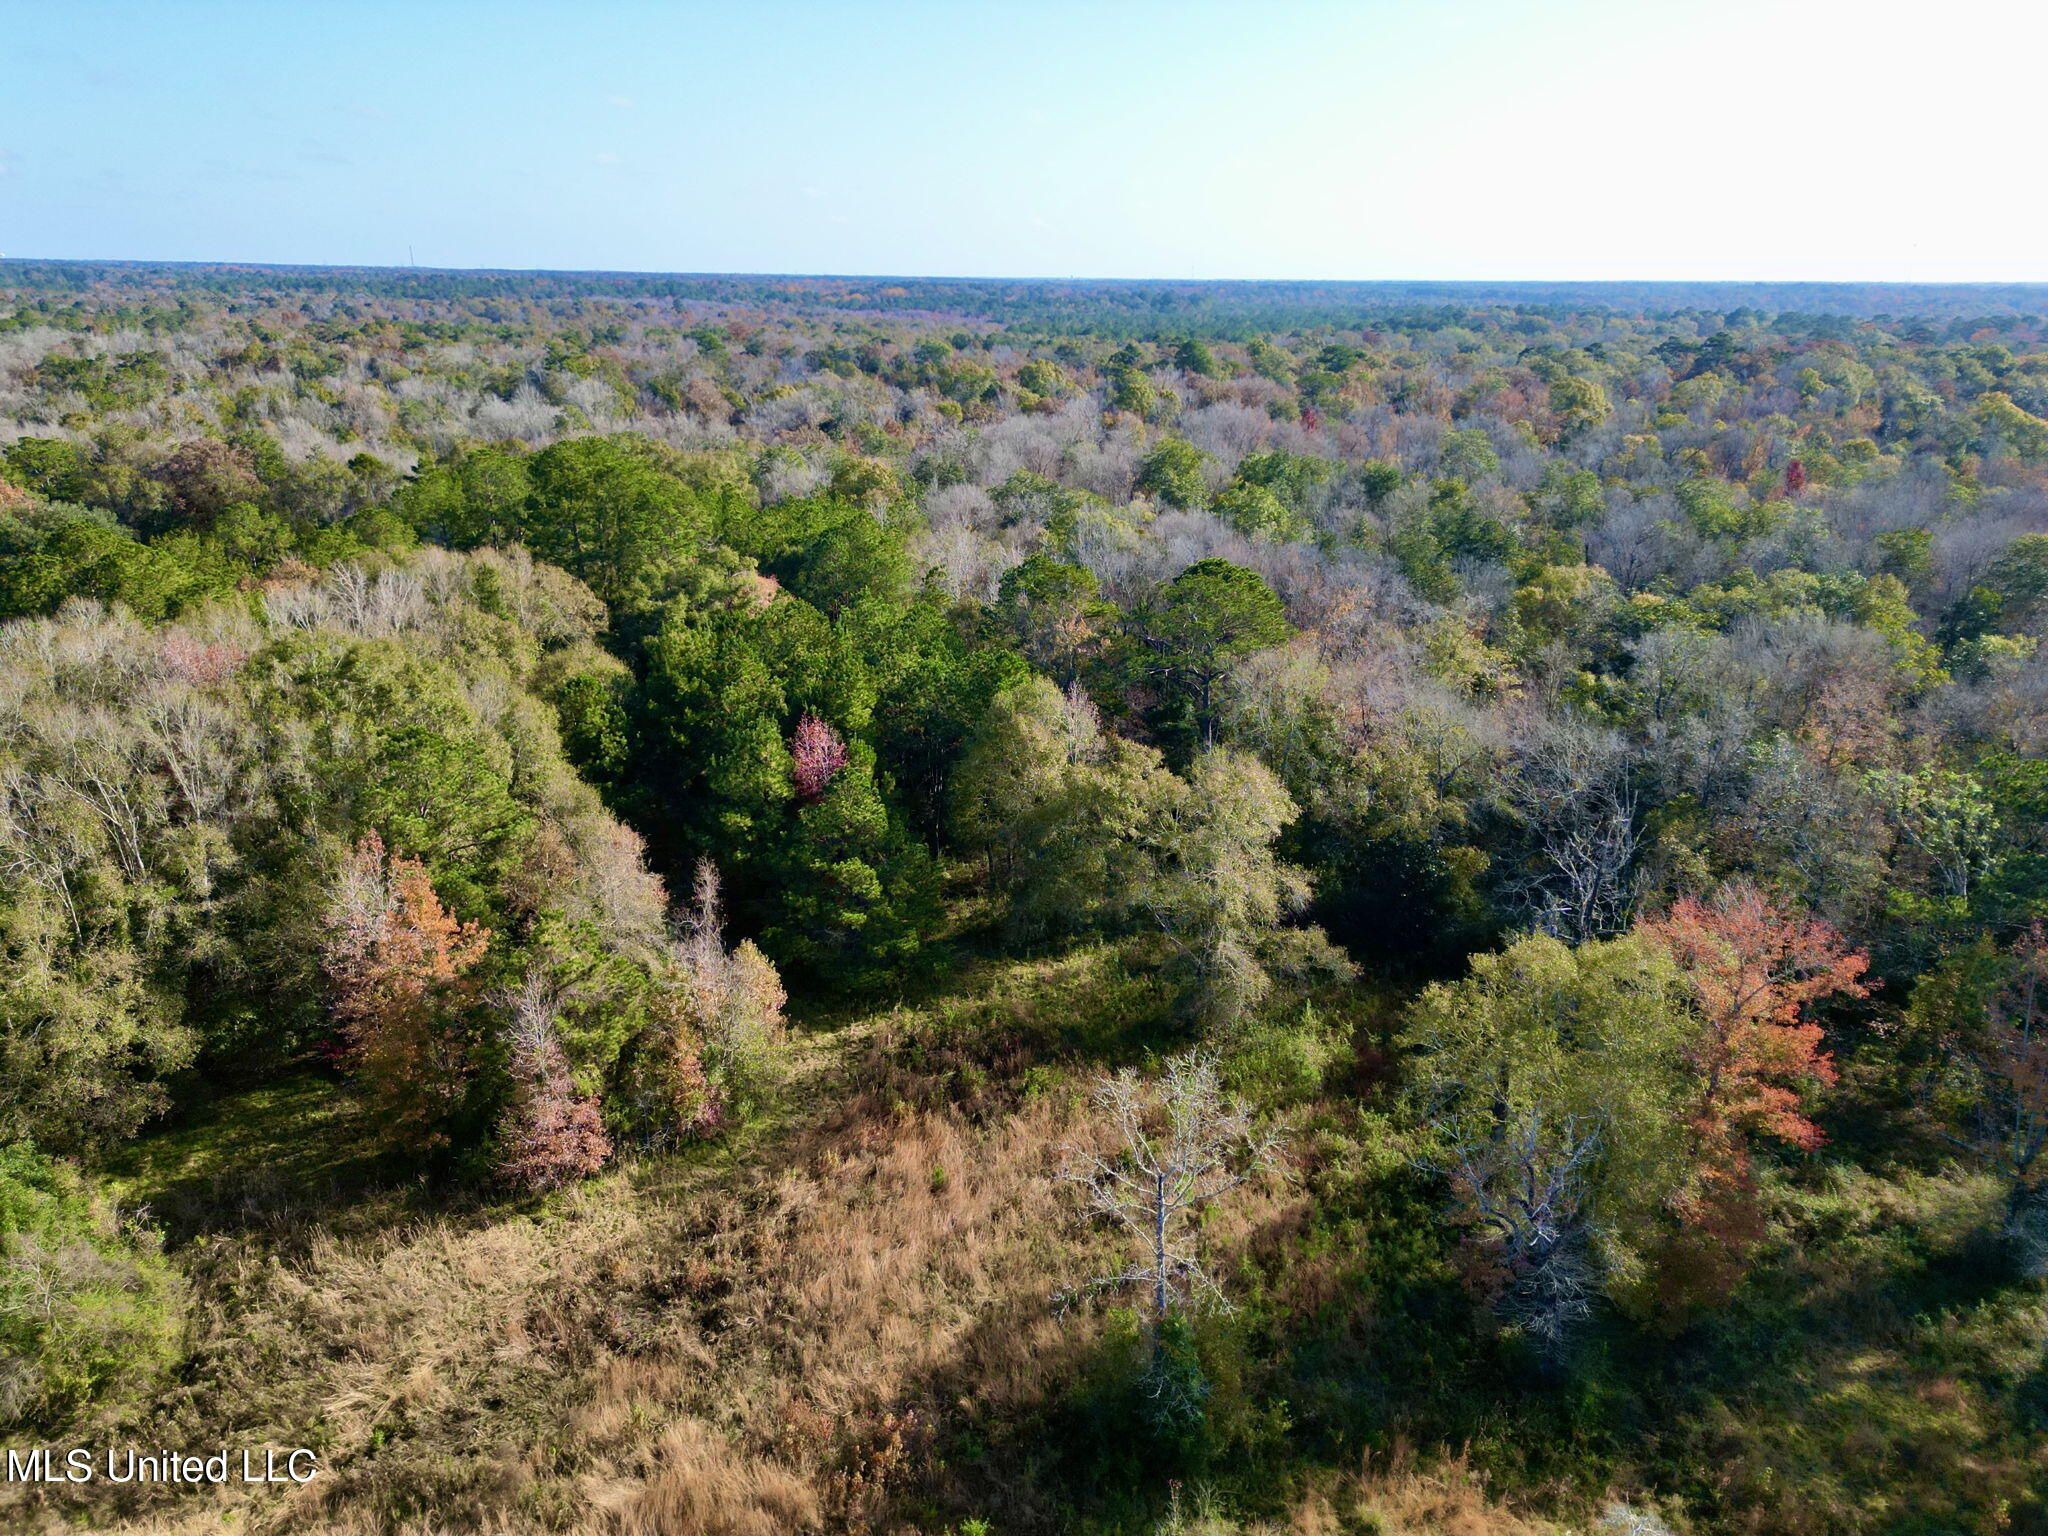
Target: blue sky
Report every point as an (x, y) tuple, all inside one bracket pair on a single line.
[(1288, 138)]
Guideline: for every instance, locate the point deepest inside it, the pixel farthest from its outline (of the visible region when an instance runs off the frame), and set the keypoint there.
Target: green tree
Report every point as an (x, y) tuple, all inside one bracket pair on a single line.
[(1172, 472), (857, 895), (472, 498), (1130, 391), (1551, 1083), (1193, 356), (1256, 512), (1054, 611), (1057, 808), (1216, 889), (1194, 630), (608, 511), (1579, 405)]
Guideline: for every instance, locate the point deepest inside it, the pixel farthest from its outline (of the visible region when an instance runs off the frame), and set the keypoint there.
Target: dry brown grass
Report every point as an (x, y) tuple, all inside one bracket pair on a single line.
[(764, 1344), (1402, 1497)]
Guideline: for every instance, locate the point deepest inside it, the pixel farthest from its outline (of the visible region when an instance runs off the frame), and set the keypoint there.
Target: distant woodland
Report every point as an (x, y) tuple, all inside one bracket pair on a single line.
[(752, 905)]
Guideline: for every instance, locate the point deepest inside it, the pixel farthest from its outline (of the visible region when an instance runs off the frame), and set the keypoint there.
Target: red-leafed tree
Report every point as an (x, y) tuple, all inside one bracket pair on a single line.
[(551, 1132), (397, 959), (1752, 971), (1795, 478), (817, 755)]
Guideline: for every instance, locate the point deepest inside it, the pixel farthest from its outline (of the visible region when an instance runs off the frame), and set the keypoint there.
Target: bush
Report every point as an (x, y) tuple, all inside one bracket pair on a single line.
[(89, 1309)]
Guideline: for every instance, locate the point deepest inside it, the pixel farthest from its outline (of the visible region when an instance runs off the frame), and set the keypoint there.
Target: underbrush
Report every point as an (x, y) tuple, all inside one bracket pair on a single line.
[(89, 1310)]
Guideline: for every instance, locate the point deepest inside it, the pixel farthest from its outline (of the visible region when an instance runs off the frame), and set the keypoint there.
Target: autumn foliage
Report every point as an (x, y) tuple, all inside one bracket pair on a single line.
[(816, 755), (1751, 971), (397, 960), (551, 1132)]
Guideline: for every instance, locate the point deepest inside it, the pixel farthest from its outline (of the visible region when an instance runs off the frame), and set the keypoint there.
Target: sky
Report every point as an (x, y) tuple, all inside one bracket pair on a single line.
[(1481, 139)]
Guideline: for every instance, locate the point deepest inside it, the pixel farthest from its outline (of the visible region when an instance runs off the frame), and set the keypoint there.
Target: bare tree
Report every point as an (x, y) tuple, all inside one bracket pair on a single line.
[(550, 1133), (1575, 794), (1526, 1186), (1185, 1144)]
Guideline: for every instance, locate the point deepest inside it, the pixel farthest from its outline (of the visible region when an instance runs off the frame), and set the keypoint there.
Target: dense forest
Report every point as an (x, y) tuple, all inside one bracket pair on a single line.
[(750, 906)]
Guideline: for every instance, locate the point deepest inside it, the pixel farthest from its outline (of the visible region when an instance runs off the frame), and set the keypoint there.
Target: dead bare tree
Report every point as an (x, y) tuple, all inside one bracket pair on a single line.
[(1525, 1185), (1575, 795), (1184, 1144)]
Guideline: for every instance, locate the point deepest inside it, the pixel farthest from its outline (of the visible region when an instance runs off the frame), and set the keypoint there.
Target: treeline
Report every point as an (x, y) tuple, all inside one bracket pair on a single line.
[(1077, 305)]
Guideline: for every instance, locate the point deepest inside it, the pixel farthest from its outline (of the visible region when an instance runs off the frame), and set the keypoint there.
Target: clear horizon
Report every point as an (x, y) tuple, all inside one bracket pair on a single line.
[(1487, 141)]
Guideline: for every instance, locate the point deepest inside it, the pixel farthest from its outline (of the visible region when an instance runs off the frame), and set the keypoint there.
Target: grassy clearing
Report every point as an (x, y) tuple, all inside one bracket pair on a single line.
[(843, 1320), (299, 1140)]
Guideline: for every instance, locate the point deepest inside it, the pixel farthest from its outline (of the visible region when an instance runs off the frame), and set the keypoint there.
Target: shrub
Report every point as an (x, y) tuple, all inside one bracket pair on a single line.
[(88, 1307)]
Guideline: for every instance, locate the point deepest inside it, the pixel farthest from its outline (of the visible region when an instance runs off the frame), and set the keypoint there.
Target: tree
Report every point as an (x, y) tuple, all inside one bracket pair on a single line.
[(205, 476), (1217, 891), (1058, 809), (1172, 472), (550, 1133), (397, 960), (855, 560), (471, 498), (1256, 512), (1054, 610), (1578, 405), (1527, 1188), (1193, 356), (735, 1002), (1574, 792), (855, 895), (1295, 478), (1550, 1080), (816, 756), (1751, 972), (1014, 777), (1200, 625), (1131, 392), (1947, 820), (2020, 577), (609, 511), (1468, 455), (1998, 1057), (1182, 1145)]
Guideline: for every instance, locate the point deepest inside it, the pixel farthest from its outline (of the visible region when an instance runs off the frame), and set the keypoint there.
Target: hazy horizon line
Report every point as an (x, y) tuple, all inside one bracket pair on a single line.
[(1022, 277)]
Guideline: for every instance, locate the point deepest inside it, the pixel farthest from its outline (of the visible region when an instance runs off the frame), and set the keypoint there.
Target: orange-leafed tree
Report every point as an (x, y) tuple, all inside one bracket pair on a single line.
[(1752, 972), (398, 961)]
